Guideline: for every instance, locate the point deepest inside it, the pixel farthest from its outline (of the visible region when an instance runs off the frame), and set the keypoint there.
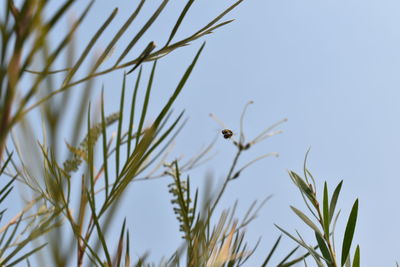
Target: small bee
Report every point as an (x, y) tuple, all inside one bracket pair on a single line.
[(227, 133)]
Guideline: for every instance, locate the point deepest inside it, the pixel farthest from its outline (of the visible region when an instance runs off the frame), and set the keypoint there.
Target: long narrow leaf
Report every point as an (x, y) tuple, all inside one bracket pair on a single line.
[(325, 209), (146, 102), (26, 255), (306, 220), (323, 248), (349, 232), (179, 88), (334, 199), (121, 113), (272, 251), (356, 260), (132, 113), (90, 45), (179, 21), (142, 31)]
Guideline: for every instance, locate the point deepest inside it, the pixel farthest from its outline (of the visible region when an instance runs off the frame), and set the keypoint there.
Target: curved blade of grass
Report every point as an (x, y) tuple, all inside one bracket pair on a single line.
[(8, 187), (6, 163), (288, 256), (349, 232), (89, 47), (127, 256), (44, 32), (98, 228), (105, 149), (229, 9), (10, 238), (142, 31), (179, 88), (26, 255), (118, 257), (272, 251), (132, 114), (121, 113), (52, 58), (146, 52), (179, 21), (119, 34), (334, 199), (145, 103)]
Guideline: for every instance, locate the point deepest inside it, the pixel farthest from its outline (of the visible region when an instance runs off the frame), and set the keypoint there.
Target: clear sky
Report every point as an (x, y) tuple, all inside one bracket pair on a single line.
[(331, 67)]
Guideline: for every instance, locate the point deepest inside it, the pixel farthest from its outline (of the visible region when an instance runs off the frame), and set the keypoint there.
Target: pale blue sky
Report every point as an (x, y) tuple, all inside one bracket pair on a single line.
[(330, 67)]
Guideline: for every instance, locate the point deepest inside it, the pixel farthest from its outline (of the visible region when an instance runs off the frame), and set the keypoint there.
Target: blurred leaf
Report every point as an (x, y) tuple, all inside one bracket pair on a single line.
[(26, 255), (90, 45), (311, 250)]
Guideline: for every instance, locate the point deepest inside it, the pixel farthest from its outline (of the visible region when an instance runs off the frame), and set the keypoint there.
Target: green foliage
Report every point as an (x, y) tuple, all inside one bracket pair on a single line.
[(73, 198), (323, 215)]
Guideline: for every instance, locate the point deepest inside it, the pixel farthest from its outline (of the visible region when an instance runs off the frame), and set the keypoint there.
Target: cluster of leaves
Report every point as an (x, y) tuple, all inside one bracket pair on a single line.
[(323, 223)]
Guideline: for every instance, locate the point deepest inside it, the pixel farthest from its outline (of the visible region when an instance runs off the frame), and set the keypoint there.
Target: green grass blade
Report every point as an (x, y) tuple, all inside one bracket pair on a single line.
[(282, 262), (98, 228), (52, 58), (142, 31), (178, 89), (356, 260), (220, 16), (272, 251), (6, 163), (10, 238), (325, 209), (132, 115), (89, 47), (26, 255), (161, 139), (349, 232), (127, 256), (145, 103), (118, 257), (179, 21), (119, 134), (120, 32), (105, 149), (44, 32), (143, 56), (334, 199), (90, 162)]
